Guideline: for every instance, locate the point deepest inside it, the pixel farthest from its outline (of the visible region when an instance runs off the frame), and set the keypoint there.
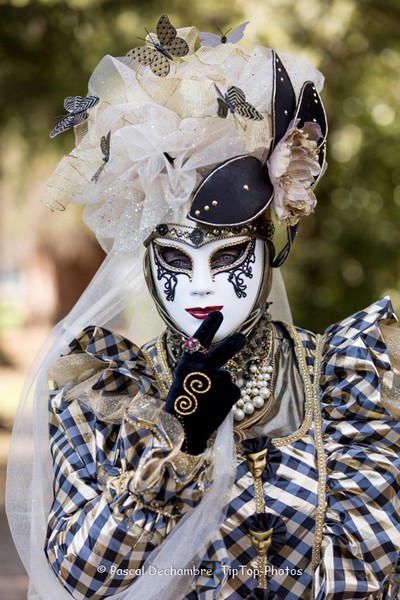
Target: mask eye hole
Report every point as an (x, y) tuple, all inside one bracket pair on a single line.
[(173, 258), (225, 257), (229, 256), (176, 258)]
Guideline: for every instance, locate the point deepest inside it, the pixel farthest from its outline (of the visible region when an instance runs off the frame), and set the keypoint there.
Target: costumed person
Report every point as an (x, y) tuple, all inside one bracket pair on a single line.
[(234, 455)]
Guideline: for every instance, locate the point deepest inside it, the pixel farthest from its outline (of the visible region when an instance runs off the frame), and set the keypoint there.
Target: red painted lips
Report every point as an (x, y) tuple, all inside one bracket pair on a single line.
[(201, 313)]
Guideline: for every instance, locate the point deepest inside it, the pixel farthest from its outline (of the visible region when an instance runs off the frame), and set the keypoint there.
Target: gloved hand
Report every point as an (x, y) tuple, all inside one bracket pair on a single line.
[(202, 392)]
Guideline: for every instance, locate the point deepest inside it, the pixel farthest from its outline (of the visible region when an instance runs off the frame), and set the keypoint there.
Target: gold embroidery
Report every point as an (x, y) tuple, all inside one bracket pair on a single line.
[(262, 578), (312, 402), (259, 495), (261, 541), (186, 464), (167, 266), (237, 262), (194, 383)]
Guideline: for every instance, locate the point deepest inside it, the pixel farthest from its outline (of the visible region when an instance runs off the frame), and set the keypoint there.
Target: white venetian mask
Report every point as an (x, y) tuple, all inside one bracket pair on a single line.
[(224, 275)]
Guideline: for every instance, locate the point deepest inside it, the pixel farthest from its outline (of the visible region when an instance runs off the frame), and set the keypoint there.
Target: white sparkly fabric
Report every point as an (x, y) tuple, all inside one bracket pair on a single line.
[(150, 117)]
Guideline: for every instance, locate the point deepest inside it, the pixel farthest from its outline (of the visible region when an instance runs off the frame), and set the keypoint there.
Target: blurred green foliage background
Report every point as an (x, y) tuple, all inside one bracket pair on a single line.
[(348, 253)]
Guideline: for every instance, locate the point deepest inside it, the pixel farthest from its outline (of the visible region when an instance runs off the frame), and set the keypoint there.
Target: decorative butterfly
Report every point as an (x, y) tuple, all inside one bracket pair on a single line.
[(77, 108), (212, 39), (163, 49), (234, 101), (105, 148)]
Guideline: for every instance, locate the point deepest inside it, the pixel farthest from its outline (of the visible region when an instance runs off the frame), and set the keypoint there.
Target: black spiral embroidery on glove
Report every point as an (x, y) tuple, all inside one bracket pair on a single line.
[(194, 383)]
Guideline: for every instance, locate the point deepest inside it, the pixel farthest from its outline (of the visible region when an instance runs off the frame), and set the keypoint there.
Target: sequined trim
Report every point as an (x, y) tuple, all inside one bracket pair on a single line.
[(159, 259), (262, 575), (259, 495), (186, 464), (163, 361), (250, 246), (149, 426), (304, 370), (194, 383), (162, 387), (312, 403), (260, 508), (321, 460), (200, 235)]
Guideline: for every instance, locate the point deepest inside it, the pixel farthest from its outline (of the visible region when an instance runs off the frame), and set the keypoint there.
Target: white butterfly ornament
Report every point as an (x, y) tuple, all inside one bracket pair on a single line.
[(212, 39)]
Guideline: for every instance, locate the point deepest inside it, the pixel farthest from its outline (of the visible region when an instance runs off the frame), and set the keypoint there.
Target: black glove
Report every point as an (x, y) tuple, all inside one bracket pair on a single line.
[(202, 392)]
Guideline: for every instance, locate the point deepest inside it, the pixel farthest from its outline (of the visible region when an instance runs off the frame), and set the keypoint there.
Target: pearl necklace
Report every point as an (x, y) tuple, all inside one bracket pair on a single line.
[(255, 392), (256, 385)]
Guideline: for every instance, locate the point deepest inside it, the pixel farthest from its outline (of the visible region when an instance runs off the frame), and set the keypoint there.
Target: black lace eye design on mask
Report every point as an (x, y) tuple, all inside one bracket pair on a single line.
[(236, 259), (171, 261)]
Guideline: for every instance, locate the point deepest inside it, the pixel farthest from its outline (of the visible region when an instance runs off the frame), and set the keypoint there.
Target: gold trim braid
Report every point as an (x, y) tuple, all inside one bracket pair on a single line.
[(305, 373), (321, 461)]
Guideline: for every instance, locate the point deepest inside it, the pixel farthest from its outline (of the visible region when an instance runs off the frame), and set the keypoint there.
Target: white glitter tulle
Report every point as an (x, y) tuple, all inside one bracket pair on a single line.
[(149, 116)]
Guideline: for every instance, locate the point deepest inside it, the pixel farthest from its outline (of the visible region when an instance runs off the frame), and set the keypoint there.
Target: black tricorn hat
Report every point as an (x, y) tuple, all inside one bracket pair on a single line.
[(239, 190)]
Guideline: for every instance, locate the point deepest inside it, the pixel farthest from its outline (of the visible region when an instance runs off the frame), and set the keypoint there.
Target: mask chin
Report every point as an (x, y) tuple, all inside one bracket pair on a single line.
[(241, 289)]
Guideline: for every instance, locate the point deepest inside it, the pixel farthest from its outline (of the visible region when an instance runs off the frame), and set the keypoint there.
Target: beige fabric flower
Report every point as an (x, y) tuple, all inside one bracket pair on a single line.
[(293, 167)]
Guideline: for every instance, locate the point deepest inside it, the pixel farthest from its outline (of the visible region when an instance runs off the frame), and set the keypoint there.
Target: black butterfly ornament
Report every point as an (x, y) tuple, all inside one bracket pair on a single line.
[(212, 39), (105, 149), (77, 108), (234, 101), (163, 50)]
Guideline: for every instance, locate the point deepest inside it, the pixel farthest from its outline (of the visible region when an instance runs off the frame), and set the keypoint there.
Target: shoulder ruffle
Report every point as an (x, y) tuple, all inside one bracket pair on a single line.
[(355, 358), (361, 444), (103, 370)]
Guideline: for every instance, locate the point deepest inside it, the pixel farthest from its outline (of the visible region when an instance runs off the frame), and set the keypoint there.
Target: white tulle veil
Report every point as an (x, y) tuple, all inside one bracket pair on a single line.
[(118, 300), (138, 189)]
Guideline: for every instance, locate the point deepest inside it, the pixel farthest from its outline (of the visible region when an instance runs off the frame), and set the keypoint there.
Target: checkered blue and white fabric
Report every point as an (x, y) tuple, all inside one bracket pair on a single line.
[(93, 524)]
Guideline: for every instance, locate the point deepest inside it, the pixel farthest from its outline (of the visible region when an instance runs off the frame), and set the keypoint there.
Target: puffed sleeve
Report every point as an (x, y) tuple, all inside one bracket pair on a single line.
[(361, 532), (121, 482)]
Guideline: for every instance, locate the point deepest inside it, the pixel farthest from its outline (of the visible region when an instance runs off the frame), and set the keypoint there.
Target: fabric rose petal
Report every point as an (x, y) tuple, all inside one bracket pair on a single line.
[(293, 168)]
